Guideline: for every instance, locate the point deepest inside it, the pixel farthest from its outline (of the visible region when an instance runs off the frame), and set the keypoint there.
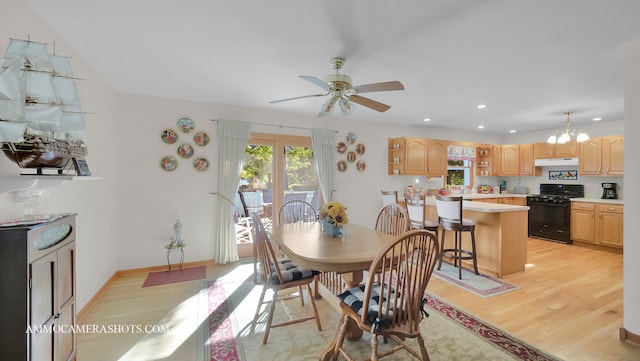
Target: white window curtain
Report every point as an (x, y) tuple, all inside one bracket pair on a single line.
[(323, 144), (232, 140)]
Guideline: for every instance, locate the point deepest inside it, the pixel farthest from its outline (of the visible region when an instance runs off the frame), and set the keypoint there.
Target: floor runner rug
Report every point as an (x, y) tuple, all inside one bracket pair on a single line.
[(176, 275), (481, 285), (232, 334)]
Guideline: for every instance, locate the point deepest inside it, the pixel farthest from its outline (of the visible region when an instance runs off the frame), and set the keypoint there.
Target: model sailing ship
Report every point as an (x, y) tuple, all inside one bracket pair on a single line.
[(41, 123)]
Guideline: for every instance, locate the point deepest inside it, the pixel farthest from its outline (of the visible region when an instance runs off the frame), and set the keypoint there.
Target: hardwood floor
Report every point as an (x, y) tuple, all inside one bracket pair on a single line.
[(569, 303)]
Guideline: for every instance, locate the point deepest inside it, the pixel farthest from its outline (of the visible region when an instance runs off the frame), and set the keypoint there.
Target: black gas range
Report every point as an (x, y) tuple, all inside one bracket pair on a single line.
[(550, 211)]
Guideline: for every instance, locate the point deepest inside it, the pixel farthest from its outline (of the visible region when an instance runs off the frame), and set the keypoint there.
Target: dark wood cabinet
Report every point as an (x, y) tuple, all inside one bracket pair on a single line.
[(38, 290)]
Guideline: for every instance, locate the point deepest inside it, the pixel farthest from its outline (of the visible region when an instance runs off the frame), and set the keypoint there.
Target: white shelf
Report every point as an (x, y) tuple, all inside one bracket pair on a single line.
[(25, 182)]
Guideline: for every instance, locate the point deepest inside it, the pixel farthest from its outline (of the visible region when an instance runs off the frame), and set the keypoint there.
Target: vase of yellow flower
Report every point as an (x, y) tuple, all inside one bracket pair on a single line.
[(333, 217)]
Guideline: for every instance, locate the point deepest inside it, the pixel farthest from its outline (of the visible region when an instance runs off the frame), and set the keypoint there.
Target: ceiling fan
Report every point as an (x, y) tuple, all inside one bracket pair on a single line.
[(339, 87)]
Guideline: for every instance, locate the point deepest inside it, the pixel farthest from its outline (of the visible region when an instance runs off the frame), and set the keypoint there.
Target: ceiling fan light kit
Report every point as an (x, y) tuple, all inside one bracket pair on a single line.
[(339, 87)]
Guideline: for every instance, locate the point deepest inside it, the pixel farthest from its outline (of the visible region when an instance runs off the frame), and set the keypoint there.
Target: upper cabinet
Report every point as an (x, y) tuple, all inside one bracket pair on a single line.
[(545, 150), (417, 156), (484, 161), (602, 156), (527, 161), (510, 162), (437, 157), (613, 155)]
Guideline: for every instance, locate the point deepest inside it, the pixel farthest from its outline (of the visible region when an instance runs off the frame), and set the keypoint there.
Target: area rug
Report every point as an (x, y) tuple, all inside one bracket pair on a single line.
[(481, 285), (176, 275), (232, 334)]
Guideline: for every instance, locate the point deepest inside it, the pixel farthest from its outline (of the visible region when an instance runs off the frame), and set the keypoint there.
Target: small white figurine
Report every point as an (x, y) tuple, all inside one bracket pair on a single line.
[(176, 241)]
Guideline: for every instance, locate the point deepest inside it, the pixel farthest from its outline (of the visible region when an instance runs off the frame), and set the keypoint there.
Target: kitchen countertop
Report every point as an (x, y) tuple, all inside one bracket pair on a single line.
[(485, 207), (598, 200)]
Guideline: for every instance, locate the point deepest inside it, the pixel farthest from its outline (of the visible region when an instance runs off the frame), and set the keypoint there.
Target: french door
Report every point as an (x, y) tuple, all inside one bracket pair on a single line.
[(278, 168)]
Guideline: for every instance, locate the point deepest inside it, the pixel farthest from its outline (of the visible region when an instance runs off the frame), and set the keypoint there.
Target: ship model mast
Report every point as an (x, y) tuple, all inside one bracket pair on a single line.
[(41, 121)]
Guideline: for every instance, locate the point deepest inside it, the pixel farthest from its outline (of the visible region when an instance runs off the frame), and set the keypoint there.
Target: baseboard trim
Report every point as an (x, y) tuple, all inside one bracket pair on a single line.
[(92, 302), (133, 271), (629, 336)]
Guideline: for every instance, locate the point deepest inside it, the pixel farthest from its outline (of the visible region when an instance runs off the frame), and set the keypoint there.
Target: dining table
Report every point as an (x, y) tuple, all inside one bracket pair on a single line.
[(347, 256)]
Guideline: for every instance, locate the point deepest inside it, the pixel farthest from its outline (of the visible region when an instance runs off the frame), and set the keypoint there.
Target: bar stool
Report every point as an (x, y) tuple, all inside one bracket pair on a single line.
[(389, 197), (416, 210), (450, 216)]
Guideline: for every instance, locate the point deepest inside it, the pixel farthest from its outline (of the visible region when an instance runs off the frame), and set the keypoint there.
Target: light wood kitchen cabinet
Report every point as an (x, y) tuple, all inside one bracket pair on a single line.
[(496, 159), (510, 160), (597, 223), (583, 222), (609, 228), (613, 155), (602, 156), (527, 161), (437, 157), (417, 156), (484, 161), (544, 150)]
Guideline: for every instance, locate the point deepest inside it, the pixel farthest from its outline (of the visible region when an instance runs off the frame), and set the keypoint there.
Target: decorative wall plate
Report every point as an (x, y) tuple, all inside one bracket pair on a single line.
[(341, 147), (169, 163), (360, 166), (360, 148), (201, 138), (169, 136), (201, 164), (185, 150), (186, 125), (342, 165), (351, 137), (351, 156)]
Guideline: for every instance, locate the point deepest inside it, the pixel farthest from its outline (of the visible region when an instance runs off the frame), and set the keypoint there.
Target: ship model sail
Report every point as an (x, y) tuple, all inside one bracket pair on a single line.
[(41, 122)]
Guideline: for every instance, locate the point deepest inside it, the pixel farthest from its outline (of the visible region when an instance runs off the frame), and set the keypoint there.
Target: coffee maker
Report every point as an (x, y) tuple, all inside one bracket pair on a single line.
[(609, 191)]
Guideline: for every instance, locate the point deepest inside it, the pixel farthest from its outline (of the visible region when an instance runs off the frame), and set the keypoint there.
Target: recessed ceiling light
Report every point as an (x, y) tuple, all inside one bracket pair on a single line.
[(597, 118), (427, 119), (512, 131), (481, 106), (480, 126)]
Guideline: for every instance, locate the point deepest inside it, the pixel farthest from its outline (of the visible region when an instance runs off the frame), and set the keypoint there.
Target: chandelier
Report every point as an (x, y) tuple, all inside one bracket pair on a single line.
[(564, 136)]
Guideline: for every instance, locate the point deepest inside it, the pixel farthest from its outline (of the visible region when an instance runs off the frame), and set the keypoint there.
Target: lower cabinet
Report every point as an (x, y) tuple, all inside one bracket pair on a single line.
[(597, 223), (39, 314)]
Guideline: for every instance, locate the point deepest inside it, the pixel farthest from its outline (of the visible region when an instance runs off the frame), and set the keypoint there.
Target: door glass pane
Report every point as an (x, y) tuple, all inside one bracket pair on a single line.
[(300, 179), (255, 189)]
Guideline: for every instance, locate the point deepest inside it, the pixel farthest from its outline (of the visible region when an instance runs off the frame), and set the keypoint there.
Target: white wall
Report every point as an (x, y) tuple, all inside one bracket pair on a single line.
[(632, 204), (125, 218), (92, 200)]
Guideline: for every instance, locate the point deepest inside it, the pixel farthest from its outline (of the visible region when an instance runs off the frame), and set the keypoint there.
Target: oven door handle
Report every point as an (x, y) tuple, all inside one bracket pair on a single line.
[(550, 204)]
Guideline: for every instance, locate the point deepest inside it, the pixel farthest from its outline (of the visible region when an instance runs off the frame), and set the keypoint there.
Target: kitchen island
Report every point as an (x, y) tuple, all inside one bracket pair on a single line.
[(501, 235)]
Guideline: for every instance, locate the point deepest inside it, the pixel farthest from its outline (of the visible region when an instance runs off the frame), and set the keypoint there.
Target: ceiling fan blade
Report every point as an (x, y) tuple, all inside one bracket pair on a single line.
[(316, 81), (369, 103), (379, 87), (295, 98)]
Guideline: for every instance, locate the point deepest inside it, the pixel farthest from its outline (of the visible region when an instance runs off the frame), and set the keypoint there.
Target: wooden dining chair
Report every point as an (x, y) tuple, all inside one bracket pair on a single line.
[(392, 219), (416, 208), (450, 217), (278, 275), (393, 308), (297, 211)]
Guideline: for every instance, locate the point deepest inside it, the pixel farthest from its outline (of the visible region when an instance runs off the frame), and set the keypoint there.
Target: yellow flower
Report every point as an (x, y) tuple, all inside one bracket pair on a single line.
[(334, 213)]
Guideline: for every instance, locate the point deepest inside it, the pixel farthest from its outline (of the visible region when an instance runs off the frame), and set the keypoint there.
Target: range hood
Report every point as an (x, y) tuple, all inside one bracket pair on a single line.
[(555, 161)]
